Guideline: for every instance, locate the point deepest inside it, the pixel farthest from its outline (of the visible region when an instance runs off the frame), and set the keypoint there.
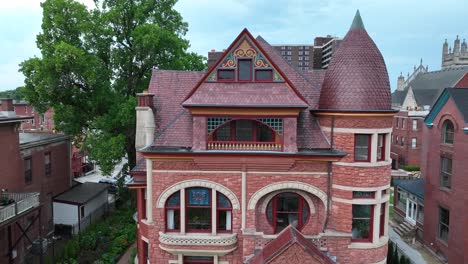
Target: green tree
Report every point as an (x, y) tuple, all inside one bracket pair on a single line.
[(93, 62)]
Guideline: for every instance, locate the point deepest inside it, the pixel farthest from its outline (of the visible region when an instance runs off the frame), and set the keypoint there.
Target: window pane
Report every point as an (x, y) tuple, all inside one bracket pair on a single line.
[(361, 211), (224, 75), (285, 219), (245, 70), (269, 212), (223, 133), (174, 200), (305, 213), (199, 218), (361, 148), (448, 132), (224, 220), (173, 219), (263, 75), (244, 130), (362, 140), (264, 133), (361, 229), (198, 197), (288, 203), (223, 201)]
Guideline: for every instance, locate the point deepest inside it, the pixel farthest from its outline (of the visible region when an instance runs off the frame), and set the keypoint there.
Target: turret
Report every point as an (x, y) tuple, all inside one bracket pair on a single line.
[(456, 49), (401, 82), (463, 50), (445, 49)]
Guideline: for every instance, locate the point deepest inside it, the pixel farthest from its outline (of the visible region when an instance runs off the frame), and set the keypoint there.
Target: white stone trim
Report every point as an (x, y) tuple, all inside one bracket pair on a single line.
[(197, 252), (359, 130), (234, 172), (197, 239), (374, 201), (328, 233), (384, 261), (182, 211), (244, 200), (149, 191), (360, 189), (198, 183), (382, 241), (365, 164), (301, 193), (286, 185), (144, 239)]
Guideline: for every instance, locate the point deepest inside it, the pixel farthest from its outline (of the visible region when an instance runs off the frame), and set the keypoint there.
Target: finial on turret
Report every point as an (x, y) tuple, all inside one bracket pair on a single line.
[(420, 62), (357, 22)]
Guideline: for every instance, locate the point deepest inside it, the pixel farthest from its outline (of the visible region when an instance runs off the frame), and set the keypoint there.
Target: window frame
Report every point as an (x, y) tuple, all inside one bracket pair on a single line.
[(187, 206), (274, 204), (232, 124), (48, 166), (250, 70), (371, 224), (226, 70), (415, 125), (402, 141), (199, 261), (263, 70), (369, 147), (166, 208), (382, 219), (222, 209), (445, 132), (371, 195), (382, 148), (447, 174), (440, 224), (414, 142), (28, 174)]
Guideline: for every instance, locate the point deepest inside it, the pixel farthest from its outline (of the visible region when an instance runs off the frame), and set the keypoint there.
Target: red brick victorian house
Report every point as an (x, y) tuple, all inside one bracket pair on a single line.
[(254, 161)]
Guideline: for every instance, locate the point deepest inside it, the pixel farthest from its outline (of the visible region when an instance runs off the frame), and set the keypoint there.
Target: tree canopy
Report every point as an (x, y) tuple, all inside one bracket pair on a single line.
[(93, 62)]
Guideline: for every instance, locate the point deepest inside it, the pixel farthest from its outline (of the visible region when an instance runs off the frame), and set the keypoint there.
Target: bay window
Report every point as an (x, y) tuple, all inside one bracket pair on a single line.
[(199, 215)]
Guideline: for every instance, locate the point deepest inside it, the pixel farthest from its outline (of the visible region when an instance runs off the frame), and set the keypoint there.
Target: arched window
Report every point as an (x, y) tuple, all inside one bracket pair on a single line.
[(447, 132), (198, 211), (224, 212), (173, 212), (287, 209), (244, 130)]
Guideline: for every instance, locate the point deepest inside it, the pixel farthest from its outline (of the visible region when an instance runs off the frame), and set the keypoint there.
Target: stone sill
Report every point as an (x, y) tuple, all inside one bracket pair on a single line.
[(362, 245)]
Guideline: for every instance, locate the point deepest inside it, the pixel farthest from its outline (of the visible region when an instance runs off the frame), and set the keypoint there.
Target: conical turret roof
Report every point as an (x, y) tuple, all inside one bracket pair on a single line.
[(357, 78)]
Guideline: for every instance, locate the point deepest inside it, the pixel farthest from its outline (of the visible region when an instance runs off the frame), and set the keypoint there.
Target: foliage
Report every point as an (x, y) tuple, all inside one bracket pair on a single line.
[(16, 94), (93, 62), (410, 168), (392, 255), (133, 255), (102, 242)]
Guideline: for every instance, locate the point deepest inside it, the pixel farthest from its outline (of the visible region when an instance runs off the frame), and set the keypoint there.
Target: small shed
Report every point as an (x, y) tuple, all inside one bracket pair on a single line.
[(80, 206)]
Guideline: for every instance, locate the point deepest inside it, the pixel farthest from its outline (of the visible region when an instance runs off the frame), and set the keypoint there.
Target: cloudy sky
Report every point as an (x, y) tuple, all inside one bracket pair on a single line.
[(405, 31)]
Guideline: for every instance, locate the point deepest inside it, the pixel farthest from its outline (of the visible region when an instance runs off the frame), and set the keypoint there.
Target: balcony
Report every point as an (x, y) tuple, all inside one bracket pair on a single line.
[(13, 204), (244, 145), (198, 239)]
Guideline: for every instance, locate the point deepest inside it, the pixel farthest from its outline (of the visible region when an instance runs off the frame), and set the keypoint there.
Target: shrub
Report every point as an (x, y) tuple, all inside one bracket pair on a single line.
[(410, 168)]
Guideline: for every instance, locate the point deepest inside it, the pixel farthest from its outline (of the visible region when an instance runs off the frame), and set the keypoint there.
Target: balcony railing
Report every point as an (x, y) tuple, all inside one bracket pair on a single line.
[(244, 145), (21, 202)]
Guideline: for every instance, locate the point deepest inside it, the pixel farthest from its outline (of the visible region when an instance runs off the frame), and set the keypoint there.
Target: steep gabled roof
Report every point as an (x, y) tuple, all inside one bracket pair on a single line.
[(209, 89), (288, 237), (460, 99), (357, 78)]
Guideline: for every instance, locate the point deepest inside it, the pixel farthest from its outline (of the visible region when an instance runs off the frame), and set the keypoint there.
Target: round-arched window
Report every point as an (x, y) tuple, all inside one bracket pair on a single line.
[(447, 132), (286, 209)]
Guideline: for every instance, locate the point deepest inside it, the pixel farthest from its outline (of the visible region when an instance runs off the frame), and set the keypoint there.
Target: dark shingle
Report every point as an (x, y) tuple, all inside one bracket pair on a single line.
[(415, 186), (81, 193)]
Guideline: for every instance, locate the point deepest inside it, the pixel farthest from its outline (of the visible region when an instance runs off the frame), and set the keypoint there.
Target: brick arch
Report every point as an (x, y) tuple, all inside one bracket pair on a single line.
[(304, 195), (286, 185), (197, 183), (450, 118)]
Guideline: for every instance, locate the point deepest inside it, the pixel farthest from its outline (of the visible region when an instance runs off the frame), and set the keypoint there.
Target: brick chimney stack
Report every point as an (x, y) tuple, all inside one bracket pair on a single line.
[(7, 105), (145, 99)]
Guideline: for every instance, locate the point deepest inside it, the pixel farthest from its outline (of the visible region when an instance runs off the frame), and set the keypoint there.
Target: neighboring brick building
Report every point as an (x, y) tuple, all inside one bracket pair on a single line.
[(33, 168), (256, 162), (44, 121), (407, 138)]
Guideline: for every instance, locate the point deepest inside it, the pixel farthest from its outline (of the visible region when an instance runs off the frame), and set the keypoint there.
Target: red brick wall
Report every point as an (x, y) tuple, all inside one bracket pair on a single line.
[(455, 199), (406, 154)]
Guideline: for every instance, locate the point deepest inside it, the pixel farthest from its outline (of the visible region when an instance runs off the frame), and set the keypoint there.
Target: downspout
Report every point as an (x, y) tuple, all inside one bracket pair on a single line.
[(329, 167)]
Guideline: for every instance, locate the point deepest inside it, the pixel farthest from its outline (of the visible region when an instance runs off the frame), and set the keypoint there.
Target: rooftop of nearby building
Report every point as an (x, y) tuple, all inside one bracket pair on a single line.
[(27, 139), (413, 186), (81, 193)]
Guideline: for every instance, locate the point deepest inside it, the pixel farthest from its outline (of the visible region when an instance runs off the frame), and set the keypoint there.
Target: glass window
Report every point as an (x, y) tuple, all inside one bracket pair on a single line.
[(362, 222), (173, 212), (357, 194), (401, 197), (28, 170), (245, 70), (403, 121), (248, 130), (198, 260), (198, 209), (382, 219), (402, 141), (263, 75), (224, 213), (287, 209), (362, 147), (445, 172), (444, 221), (225, 75), (47, 164), (244, 131), (414, 143), (415, 124), (397, 122), (420, 213), (381, 147), (447, 132)]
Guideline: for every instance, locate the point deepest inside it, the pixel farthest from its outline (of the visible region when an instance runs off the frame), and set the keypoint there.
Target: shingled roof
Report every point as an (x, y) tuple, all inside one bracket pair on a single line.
[(357, 78)]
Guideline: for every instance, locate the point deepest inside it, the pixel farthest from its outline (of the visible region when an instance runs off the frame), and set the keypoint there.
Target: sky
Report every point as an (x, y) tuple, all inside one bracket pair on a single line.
[(404, 31)]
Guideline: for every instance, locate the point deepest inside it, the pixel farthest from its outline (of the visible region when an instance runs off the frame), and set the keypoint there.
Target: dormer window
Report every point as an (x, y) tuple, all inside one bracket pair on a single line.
[(226, 75), (245, 70)]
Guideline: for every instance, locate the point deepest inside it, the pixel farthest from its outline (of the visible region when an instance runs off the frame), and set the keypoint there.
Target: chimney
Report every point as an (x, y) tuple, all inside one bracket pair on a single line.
[(145, 126), (7, 105), (145, 99)]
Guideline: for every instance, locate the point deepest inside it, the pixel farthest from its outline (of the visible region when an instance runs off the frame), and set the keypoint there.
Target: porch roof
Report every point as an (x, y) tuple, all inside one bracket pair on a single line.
[(413, 186)]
